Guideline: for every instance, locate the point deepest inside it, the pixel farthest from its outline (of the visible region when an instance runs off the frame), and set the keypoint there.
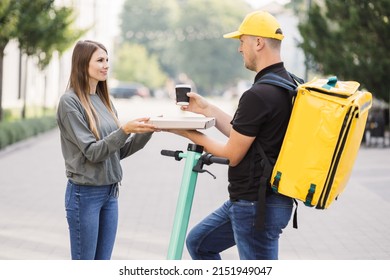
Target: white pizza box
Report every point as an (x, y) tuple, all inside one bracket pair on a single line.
[(182, 122)]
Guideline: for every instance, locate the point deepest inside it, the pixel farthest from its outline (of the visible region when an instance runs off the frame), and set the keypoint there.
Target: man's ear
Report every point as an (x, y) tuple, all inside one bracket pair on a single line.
[(260, 43)]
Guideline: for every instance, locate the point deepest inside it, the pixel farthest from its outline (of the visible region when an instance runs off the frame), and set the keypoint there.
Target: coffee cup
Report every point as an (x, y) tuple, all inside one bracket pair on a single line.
[(181, 94)]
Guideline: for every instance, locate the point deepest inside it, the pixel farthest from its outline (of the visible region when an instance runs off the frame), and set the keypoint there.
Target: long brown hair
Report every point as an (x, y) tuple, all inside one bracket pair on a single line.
[(79, 82)]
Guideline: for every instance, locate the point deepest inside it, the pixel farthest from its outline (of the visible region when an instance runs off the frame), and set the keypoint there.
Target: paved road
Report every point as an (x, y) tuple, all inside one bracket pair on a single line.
[(33, 225)]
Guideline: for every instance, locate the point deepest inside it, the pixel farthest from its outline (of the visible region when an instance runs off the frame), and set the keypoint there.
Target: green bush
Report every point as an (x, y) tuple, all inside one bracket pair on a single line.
[(12, 132)]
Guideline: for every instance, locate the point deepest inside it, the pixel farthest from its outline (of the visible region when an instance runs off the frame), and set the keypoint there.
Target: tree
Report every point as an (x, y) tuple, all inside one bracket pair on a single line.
[(57, 34), (186, 37), (8, 21), (132, 63), (203, 54), (42, 29), (350, 39), (149, 23)]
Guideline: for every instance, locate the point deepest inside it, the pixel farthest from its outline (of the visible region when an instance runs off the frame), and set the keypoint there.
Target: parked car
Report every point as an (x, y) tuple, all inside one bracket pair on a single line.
[(129, 90)]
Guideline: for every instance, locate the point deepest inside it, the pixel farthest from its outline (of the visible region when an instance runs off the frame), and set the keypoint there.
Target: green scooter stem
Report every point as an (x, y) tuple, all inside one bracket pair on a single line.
[(184, 203)]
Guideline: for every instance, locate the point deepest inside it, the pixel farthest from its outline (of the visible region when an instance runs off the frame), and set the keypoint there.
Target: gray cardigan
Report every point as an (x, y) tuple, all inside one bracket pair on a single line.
[(89, 161)]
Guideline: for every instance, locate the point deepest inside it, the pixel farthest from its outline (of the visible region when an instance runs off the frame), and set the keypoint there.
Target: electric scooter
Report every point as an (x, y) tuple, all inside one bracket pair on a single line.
[(195, 159)]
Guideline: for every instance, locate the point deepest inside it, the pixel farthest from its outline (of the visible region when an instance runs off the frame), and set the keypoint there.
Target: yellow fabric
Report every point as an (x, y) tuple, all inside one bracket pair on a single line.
[(314, 136), (258, 23)]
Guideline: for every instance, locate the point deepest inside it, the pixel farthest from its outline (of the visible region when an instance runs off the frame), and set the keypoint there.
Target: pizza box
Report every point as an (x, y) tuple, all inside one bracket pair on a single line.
[(182, 122)]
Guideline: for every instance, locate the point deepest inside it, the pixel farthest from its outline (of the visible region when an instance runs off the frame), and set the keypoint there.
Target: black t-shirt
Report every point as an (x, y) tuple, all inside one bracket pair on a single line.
[(263, 112)]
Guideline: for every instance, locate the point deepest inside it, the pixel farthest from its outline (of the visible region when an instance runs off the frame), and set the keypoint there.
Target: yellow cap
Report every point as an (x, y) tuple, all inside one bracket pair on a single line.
[(260, 24)]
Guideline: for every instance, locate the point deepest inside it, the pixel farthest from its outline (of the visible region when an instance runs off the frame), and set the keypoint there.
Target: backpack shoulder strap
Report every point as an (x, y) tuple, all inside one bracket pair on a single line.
[(296, 78), (262, 191), (272, 79), (276, 80)]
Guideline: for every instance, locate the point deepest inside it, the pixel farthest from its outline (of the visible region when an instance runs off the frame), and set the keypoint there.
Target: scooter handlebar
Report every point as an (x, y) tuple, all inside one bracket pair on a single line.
[(219, 160), (209, 159), (175, 154), (168, 153)]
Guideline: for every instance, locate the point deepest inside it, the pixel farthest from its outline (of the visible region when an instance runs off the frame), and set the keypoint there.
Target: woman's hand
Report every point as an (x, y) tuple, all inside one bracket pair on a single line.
[(139, 125)]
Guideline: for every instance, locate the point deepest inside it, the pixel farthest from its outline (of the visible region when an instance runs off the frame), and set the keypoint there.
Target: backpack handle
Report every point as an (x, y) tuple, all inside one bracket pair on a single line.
[(332, 81)]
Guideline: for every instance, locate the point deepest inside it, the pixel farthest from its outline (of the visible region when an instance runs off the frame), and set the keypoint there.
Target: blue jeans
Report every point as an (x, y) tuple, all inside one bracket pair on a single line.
[(234, 224), (92, 214)]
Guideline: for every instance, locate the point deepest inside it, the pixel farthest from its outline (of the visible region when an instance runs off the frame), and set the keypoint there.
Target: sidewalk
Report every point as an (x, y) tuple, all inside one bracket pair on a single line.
[(33, 224)]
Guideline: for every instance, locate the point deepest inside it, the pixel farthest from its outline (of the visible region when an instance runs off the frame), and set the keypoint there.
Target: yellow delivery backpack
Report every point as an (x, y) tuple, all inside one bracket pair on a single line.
[(322, 140)]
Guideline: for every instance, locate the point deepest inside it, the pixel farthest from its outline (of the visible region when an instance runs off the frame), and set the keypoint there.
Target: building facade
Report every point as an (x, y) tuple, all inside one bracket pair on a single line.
[(23, 80)]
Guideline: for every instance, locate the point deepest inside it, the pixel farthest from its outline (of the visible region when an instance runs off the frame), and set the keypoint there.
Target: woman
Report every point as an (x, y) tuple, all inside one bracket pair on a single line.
[(93, 142)]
